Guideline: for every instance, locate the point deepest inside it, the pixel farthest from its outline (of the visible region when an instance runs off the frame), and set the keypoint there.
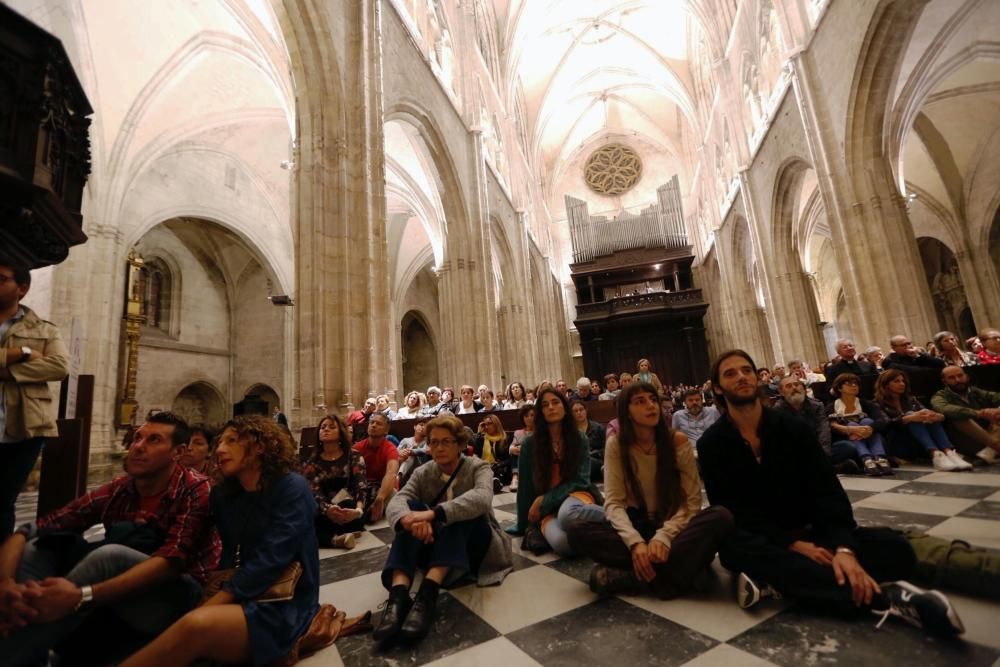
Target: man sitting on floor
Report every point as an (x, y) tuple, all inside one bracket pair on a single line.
[(972, 415), (795, 531), (695, 418), (381, 465), (159, 547), (843, 455)]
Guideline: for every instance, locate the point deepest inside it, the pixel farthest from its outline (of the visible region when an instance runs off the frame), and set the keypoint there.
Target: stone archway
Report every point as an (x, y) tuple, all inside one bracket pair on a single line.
[(420, 356), (200, 402), (264, 393)]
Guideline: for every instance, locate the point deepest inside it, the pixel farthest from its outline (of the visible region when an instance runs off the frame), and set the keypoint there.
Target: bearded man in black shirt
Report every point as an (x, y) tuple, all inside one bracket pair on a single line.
[(795, 531)]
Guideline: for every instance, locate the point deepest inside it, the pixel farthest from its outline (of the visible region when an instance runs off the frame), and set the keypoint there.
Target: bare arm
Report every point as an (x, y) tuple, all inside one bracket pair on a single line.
[(10, 555)]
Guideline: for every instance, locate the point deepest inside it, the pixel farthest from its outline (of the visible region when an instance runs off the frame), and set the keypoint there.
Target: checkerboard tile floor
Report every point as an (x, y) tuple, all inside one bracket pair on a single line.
[(544, 614)]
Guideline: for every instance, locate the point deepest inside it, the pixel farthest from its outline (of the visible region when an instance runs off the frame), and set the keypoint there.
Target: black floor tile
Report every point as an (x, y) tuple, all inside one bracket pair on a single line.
[(869, 517), (610, 632), (455, 629), (948, 490), (578, 568), (857, 496), (987, 509), (350, 565), (386, 534), (796, 637)]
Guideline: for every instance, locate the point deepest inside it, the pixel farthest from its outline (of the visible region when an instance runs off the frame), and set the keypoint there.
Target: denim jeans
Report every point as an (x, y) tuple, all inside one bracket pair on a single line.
[(870, 446), (16, 461), (930, 436), (572, 511), (149, 613)]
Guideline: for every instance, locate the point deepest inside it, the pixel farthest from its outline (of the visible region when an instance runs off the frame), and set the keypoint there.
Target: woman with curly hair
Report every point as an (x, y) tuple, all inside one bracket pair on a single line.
[(516, 396), (336, 473), (554, 469), (412, 408), (265, 516), (953, 355)]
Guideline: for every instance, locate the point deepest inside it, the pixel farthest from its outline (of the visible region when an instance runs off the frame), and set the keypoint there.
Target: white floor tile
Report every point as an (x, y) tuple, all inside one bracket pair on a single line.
[(504, 499), (504, 516), (366, 541), (328, 657), (995, 497), (499, 652), (916, 503), (355, 596), (977, 479), (979, 616), (525, 597), (870, 483), (725, 655), (980, 532), (715, 614)]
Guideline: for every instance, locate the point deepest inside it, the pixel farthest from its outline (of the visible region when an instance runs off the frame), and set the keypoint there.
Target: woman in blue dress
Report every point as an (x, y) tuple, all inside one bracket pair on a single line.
[(265, 516)]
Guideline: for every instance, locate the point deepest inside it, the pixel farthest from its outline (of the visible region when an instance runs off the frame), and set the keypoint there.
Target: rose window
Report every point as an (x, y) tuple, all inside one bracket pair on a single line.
[(612, 169)]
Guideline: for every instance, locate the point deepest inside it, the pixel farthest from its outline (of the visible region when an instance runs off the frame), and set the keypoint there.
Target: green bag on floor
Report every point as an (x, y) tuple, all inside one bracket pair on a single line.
[(956, 565)]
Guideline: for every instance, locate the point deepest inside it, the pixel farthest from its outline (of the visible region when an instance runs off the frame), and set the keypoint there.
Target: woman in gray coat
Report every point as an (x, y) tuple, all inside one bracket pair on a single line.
[(445, 526)]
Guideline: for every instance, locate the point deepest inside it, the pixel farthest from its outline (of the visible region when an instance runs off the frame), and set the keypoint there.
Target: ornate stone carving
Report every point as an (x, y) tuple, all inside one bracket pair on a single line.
[(612, 169)]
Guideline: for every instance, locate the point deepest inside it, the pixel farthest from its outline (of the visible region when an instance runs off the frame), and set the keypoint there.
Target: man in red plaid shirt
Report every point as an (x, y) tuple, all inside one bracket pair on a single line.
[(160, 545)]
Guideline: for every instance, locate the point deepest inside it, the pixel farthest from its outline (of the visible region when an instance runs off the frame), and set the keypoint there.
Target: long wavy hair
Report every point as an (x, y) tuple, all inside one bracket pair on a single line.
[(882, 394), (345, 436), (669, 494), (544, 455), (277, 456)]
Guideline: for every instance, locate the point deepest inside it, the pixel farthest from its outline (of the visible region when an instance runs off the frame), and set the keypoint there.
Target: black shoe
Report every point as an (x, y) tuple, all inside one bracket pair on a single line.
[(871, 468), (884, 466), (420, 619), (928, 610), (848, 467), (393, 616), (607, 581), (497, 485)]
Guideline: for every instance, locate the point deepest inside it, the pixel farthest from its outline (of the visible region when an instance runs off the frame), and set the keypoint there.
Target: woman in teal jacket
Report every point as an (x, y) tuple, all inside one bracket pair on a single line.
[(554, 468)]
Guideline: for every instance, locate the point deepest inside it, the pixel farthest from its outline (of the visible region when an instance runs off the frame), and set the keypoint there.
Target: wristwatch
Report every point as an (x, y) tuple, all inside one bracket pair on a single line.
[(25, 354), (86, 597), (845, 550)]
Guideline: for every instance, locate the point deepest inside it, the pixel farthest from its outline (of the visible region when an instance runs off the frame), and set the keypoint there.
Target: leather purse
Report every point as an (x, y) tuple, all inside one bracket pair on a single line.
[(282, 590)]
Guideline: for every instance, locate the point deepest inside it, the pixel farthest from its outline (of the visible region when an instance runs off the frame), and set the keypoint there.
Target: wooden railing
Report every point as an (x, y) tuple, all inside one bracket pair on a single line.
[(638, 303)]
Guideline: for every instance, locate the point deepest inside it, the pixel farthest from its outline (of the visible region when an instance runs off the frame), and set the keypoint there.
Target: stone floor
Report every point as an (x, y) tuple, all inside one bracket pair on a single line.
[(544, 614)]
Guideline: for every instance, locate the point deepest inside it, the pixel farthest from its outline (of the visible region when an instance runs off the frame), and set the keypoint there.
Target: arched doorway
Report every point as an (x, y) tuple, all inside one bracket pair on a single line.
[(261, 394), (420, 362), (200, 402)]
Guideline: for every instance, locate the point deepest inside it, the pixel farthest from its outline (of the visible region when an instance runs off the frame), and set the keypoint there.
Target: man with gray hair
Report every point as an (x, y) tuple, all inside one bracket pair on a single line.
[(794, 401), (908, 358), (847, 361), (434, 403), (875, 357), (583, 392)]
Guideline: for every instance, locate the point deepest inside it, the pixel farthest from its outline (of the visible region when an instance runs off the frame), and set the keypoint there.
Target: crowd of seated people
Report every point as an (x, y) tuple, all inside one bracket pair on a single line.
[(759, 441)]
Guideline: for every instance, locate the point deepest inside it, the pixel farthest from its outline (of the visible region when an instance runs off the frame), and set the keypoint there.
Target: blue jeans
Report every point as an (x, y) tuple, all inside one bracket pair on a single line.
[(149, 613), (842, 450), (931, 436), (16, 461), (572, 511), (870, 446)]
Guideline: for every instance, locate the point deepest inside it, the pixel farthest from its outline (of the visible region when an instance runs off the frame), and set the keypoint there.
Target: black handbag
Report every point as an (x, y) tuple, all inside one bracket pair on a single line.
[(534, 541)]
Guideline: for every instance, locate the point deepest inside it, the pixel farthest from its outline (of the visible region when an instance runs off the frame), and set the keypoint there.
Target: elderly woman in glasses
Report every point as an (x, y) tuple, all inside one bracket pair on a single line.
[(445, 526)]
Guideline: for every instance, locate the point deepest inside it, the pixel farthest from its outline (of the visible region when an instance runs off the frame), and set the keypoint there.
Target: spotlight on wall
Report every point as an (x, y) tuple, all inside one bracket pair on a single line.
[(656, 267), (280, 300)]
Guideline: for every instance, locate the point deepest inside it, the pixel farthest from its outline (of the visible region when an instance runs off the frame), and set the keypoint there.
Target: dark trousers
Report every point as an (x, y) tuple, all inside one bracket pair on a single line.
[(16, 461), (691, 551), (843, 450), (459, 546), (884, 554), (326, 530), (596, 469)]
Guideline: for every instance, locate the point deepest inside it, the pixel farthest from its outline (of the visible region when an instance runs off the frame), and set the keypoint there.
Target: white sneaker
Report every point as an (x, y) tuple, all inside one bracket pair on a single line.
[(943, 462), (987, 454), (748, 593), (956, 458)]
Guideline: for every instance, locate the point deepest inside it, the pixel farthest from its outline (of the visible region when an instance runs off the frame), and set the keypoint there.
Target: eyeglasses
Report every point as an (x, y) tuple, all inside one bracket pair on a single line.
[(447, 442)]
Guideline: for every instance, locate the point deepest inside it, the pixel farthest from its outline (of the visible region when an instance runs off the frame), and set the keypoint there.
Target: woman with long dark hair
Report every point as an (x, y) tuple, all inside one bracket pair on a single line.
[(265, 516), (656, 536), (516, 396), (336, 473), (554, 469), (912, 426), (595, 432)]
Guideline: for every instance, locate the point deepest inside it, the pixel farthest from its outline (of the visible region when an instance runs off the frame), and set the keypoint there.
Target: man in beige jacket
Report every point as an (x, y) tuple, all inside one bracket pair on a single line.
[(31, 355)]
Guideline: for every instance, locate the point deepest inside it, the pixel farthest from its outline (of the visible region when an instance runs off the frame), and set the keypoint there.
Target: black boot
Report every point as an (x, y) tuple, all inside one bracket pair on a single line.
[(421, 617), (396, 609)]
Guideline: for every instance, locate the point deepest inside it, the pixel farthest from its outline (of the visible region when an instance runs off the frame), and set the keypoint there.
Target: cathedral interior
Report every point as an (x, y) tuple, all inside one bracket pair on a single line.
[(303, 204)]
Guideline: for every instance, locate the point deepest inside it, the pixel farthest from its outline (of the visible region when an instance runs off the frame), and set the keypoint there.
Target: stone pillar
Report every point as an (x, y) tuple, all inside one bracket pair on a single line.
[(338, 207), (862, 201), (981, 285)]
